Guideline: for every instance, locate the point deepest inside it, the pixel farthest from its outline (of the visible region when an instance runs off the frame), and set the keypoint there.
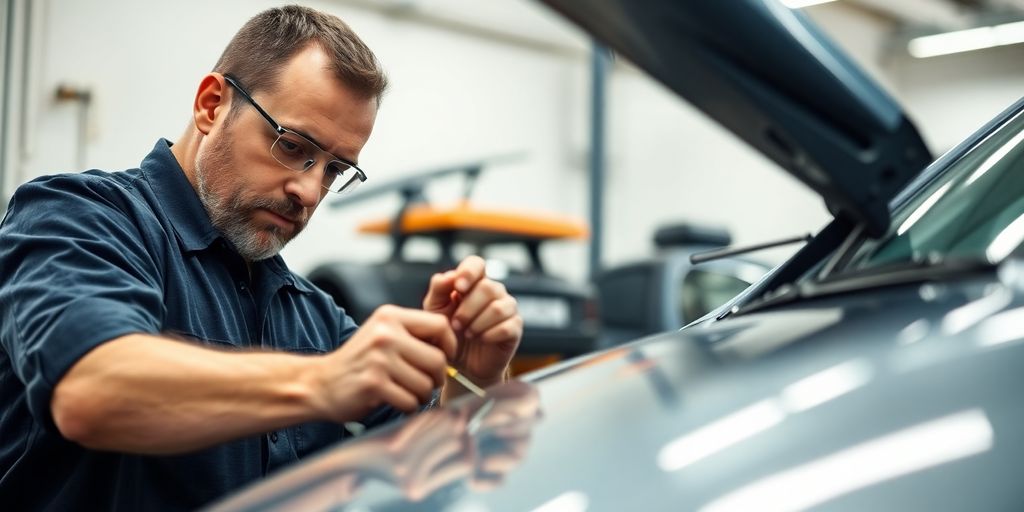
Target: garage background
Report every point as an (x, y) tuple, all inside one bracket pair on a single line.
[(471, 80)]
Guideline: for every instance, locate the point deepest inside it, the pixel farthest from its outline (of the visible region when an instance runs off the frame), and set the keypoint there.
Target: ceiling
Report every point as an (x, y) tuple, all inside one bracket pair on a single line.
[(944, 15)]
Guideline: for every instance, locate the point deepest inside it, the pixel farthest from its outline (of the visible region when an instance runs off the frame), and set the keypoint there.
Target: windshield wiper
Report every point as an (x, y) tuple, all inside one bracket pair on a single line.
[(717, 254), (912, 271)]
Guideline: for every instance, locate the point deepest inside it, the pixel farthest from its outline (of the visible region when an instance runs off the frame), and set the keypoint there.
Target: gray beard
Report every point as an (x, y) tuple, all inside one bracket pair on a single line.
[(230, 214)]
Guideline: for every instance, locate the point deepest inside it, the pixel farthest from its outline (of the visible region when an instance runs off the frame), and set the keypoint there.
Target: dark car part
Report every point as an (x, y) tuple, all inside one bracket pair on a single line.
[(668, 291), (812, 112)]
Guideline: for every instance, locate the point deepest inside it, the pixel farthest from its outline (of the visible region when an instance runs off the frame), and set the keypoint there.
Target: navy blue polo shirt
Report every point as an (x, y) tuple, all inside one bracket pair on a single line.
[(88, 257)]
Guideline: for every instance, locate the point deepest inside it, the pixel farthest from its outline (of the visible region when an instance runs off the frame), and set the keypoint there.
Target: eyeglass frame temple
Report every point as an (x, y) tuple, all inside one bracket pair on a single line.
[(234, 83)]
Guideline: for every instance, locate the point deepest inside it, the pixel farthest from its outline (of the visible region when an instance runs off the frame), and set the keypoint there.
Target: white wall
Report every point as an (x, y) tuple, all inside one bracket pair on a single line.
[(456, 97), (953, 95)]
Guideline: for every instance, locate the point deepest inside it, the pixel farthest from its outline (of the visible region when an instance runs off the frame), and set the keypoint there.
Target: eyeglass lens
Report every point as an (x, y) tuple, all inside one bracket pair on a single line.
[(299, 153)]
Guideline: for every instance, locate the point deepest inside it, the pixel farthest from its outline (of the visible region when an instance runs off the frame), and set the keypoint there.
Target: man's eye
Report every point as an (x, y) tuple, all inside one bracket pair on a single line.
[(337, 169), (289, 146)]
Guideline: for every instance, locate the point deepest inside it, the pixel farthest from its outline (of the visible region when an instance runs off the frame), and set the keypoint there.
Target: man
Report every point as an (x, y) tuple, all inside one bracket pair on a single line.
[(157, 353)]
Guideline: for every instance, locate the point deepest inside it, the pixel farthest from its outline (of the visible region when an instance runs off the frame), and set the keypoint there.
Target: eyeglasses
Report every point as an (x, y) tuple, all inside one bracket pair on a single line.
[(298, 153)]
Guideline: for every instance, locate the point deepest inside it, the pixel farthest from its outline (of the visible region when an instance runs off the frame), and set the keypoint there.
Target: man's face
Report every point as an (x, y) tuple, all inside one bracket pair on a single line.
[(256, 202), (235, 212)]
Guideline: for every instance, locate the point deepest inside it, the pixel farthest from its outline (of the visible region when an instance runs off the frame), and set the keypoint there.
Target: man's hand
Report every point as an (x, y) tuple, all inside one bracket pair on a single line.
[(397, 357), (484, 317)]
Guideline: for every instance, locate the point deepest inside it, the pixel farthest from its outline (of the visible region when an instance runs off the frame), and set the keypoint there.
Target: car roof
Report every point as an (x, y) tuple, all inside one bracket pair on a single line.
[(764, 72)]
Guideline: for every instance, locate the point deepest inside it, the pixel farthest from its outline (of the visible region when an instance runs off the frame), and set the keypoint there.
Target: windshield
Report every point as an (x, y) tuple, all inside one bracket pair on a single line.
[(973, 211)]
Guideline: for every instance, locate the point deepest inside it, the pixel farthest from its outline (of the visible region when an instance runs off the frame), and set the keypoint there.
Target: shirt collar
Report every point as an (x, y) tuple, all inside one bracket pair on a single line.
[(188, 216), (178, 198), (284, 276)]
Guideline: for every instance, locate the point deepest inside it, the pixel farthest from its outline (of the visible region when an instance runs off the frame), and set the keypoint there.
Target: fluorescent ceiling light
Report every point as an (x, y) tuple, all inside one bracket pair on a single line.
[(967, 40), (800, 4)]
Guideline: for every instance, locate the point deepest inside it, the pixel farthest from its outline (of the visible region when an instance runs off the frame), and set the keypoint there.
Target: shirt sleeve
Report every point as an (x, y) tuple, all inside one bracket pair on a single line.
[(74, 273)]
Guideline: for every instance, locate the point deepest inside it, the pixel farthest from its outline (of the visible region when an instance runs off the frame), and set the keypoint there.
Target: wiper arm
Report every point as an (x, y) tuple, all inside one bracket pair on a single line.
[(717, 254), (890, 275)]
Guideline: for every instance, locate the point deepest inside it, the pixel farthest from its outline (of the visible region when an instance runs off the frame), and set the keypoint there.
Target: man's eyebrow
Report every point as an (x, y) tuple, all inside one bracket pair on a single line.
[(321, 146)]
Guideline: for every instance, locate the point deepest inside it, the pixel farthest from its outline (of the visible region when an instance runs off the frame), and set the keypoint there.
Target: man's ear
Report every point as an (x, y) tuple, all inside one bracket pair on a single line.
[(211, 101)]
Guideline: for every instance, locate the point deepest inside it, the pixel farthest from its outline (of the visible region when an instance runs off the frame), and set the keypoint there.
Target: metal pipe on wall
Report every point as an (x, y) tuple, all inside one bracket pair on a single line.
[(600, 65), (17, 18)]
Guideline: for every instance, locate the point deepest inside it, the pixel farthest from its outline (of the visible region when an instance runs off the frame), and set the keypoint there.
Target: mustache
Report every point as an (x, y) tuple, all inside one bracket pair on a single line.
[(285, 208)]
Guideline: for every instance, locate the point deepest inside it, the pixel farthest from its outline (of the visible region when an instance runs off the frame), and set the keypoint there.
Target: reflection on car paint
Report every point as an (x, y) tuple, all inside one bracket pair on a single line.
[(475, 441), (730, 430), (923, 446)]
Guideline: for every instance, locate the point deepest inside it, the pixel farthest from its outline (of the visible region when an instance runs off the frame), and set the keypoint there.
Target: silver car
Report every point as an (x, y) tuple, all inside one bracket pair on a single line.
[(877, 369)]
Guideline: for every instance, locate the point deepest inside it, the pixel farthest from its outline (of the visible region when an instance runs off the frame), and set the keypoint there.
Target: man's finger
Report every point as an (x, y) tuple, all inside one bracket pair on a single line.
[(413, 379), (425, 359), (493, 314), (507, 331), (439, 293), (432, 328), (469, 272), (474, 303), (399, 397)]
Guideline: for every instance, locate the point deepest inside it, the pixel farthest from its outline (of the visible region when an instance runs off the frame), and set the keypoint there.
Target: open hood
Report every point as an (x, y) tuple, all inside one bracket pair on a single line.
[(764, 72)]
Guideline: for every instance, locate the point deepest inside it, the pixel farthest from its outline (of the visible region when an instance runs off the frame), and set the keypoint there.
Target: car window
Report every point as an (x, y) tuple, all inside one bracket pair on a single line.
[(973, 211), (703, 291)]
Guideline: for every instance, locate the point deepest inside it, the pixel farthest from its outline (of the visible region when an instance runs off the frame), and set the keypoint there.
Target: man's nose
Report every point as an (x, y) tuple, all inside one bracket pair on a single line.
[(306, 187)]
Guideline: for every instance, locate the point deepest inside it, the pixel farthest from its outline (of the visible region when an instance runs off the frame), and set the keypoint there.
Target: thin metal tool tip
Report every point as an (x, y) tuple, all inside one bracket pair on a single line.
[(468, 384)]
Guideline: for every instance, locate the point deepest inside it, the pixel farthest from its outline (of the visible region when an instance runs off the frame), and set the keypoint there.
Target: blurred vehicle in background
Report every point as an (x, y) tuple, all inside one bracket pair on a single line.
[(667, 291), (559, 317), (878, 368)]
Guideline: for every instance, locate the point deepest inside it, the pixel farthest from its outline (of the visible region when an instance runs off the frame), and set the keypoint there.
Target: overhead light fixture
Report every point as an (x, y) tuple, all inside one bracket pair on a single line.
[(800, 4), (967, 40)]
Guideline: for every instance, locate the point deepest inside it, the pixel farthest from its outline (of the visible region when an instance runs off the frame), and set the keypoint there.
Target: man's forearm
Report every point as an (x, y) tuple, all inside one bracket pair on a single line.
[(152, 395)]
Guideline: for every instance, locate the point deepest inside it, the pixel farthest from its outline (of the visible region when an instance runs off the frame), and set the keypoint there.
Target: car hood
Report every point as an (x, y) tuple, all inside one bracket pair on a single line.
[(904, 398), (767, 74)]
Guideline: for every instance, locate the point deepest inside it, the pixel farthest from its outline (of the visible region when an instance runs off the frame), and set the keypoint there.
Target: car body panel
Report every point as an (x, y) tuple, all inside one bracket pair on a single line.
[(879, 400)]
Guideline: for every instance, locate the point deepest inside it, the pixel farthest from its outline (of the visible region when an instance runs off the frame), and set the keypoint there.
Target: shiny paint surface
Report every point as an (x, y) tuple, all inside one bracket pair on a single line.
[(900, 398)]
